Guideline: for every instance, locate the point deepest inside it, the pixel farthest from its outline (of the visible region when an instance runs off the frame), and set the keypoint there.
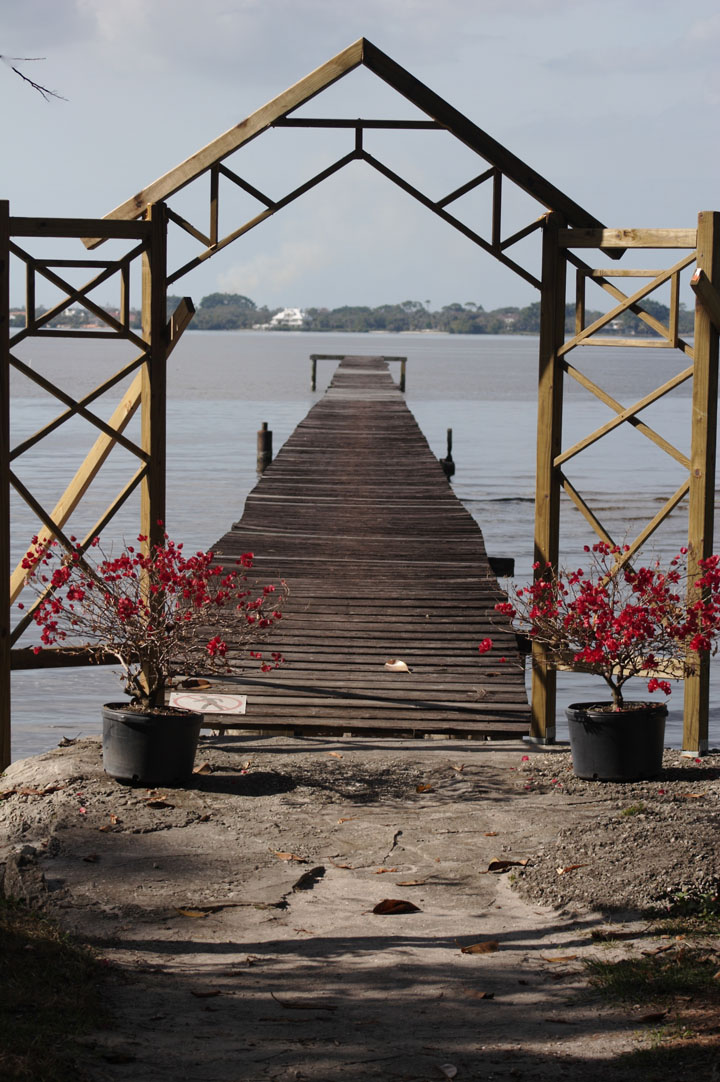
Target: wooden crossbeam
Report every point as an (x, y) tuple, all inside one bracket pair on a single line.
[(238, 135), (475, 138), (343, 122), (72, 294), (75, 227), (708, 296), (628, 302), (21, 448), (441, 116), (628, 238), (188, 227), (522, 233), (618, 294), (668, 507), (390, 174), (467, 187), (585, 510), (74, 406), (81, 295), (651, 434), (102, 447), (245, 185), (255, 221), (45, 539), (629, 414)]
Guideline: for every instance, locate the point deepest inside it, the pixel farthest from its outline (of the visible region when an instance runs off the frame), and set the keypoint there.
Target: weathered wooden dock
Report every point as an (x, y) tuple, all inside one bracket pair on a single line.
[(383, 562)]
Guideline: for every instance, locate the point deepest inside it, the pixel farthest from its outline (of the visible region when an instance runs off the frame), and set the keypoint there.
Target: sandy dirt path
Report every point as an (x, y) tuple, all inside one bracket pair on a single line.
[(238, 912)]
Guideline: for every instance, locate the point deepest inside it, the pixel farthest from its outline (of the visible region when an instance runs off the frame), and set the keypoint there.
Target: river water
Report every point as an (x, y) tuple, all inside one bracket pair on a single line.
[(223, 385)]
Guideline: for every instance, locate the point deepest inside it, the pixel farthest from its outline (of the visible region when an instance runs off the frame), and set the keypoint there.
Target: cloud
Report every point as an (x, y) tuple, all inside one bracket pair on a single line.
[(275, 275), (705, 32), (270, 42)]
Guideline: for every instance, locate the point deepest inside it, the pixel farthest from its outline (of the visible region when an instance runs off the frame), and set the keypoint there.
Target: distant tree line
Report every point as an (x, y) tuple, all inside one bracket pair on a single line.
[(232, 311)]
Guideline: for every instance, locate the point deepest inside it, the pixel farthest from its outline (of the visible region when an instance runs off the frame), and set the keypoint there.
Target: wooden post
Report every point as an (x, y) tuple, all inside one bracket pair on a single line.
[(702, 469), (4, 484), (447, 463), (153, 394), (403, 362), (264, 447), (313, 372), (549, 436)]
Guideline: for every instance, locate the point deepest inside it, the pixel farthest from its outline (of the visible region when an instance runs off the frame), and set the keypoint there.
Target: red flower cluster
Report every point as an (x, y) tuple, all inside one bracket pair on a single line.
[(616, 621), (158, 612)]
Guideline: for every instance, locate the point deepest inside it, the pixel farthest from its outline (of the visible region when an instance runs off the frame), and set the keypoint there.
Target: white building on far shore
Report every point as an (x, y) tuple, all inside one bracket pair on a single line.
[(289, 319)]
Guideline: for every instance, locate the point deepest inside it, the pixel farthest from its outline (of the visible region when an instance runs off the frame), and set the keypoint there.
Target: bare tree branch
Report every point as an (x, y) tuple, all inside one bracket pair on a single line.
[(44, 91)]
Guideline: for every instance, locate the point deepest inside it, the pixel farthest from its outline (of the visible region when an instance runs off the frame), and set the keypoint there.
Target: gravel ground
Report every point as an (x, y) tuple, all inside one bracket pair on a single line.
[(650, 845)]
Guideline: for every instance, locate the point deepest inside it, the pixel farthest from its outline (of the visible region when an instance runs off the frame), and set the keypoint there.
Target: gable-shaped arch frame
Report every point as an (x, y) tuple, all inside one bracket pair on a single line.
[(563, 226)]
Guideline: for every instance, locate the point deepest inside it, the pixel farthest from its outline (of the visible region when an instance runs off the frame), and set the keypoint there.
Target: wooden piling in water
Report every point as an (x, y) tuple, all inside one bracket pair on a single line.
[(264, 448)]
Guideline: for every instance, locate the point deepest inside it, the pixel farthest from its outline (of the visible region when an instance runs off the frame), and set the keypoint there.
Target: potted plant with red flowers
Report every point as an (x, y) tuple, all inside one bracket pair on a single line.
[(159, 613), (618, 622)]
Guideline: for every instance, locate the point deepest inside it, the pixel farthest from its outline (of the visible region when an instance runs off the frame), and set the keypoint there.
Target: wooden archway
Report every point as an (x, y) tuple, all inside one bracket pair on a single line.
[(563, 226)]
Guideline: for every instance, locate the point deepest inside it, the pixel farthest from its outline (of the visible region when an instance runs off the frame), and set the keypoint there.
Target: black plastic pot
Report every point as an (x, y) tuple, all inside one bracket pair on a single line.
[(610, 746), (149, 749)]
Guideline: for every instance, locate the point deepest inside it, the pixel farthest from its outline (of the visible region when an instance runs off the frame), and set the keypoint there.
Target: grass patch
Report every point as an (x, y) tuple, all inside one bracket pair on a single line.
[(682, 982), (703, 907), (658, 978), (633, 809), (49, 995)]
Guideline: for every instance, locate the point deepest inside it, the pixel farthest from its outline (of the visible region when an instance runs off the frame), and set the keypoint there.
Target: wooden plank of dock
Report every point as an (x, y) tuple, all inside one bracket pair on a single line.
[(382, 561)]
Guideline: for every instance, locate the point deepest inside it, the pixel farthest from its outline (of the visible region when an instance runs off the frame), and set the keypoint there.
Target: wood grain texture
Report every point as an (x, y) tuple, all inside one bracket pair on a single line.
[(383, 561)]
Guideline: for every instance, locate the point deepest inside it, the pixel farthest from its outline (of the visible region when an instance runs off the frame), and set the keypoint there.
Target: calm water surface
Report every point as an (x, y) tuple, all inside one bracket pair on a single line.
[(222, 386)]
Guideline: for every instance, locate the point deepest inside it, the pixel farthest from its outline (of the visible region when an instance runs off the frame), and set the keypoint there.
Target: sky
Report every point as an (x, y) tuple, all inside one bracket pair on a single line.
[(615, 101)]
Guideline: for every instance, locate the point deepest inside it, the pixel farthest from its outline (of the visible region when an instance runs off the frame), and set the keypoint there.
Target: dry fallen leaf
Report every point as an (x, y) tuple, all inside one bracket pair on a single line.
[(473, 993), (490, 834), (411, 883), (486, 946), (381, 871), (192, 912), (391, 906), (202, 993), (396, 665), (570, 868), (288, 856), (502, 865), (335, 754), (457, 766), (311, 1005), (204, 768), (91, 858), (350, 867), (692, 796), (348, 819), (114, 819), (652, 1016), (561, 958), (424, 789), (308, 879)]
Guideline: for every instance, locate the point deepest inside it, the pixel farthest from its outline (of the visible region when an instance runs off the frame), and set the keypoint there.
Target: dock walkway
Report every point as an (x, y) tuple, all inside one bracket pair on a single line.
[(383, 562)]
